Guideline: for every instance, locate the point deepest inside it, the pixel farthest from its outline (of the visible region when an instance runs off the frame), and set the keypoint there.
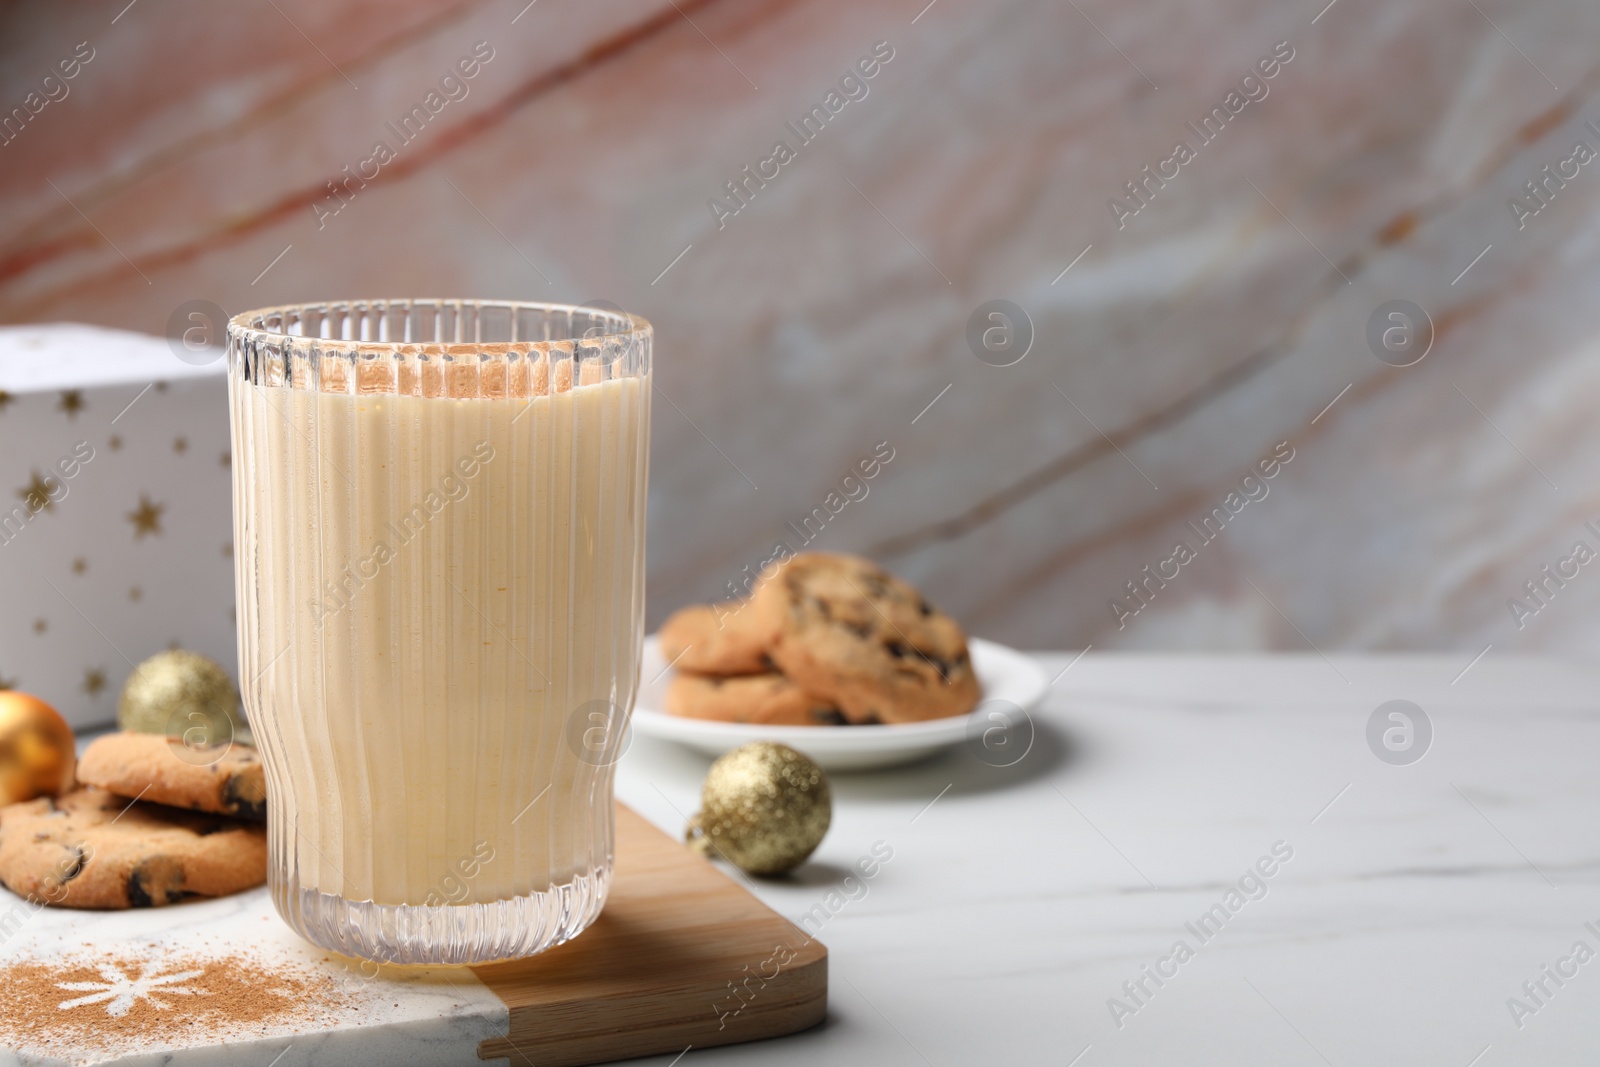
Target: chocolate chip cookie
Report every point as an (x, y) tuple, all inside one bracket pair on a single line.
[(769, 698), (854, 634), (93, 849), (725, 638), (226, 780)]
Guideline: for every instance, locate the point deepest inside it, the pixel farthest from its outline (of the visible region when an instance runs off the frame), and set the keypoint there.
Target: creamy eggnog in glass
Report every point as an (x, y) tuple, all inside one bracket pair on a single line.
[(439, 535)]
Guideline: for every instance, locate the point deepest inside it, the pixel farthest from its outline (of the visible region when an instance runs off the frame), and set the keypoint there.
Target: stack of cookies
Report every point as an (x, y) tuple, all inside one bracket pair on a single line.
[(824, 640), (152, 822)]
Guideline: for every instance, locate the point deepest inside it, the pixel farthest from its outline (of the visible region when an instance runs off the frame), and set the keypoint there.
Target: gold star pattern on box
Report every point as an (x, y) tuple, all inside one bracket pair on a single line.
[(146, 518), (159, 435), (37, 494)]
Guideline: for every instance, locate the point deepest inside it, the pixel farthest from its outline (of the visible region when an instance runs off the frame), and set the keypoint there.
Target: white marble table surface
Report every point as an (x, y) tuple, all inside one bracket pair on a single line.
[(1017, 905), (1018, 901)]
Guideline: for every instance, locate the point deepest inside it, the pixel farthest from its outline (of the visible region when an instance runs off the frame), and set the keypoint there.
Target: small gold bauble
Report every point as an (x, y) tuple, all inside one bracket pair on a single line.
[(37, 752), (181, 694), (764, 808)]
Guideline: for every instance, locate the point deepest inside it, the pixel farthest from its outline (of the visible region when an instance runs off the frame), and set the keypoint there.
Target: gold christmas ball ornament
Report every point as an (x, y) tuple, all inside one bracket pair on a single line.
[(38, 754), (182, 694), (764, 808)]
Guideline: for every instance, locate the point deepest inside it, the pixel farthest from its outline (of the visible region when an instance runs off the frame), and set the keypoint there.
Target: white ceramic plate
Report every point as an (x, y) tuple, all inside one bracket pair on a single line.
[(1005, 674)]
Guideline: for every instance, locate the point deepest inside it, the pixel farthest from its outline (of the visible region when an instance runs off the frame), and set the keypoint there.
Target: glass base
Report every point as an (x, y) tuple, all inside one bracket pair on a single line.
[(450, 934)]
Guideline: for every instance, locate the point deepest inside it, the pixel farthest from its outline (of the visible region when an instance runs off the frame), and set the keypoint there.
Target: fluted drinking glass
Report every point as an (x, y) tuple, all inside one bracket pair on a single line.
[(439, 534)]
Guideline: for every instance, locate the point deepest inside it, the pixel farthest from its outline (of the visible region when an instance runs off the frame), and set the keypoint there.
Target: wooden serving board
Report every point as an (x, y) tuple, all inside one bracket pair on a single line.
[(656, 972)]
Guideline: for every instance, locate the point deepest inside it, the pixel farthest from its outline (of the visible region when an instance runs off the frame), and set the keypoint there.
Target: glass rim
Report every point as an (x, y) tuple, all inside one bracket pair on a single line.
[(250, 327)]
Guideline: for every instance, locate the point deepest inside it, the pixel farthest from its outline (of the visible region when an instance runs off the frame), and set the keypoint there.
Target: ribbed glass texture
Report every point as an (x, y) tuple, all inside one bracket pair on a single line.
[(439, 535)]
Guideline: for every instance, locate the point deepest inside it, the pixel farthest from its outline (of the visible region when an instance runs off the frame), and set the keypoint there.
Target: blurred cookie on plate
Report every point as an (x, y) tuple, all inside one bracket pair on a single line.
[(824, 638), (849, 631), (725, 638), (770, 699)]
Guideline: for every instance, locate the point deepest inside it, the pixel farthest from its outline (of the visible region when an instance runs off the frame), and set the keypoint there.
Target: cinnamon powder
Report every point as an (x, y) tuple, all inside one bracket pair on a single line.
[(126, 1000)]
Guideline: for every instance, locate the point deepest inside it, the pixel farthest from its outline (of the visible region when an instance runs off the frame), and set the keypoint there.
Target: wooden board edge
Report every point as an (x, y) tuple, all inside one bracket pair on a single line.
[(796, 1000), (700, 1011)]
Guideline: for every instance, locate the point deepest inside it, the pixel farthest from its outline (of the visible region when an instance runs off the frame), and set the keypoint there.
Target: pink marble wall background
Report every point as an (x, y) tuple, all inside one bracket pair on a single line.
[(823, 318)]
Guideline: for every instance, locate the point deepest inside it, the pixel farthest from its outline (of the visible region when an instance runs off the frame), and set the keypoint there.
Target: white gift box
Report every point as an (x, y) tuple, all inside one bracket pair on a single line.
[(116, 516)]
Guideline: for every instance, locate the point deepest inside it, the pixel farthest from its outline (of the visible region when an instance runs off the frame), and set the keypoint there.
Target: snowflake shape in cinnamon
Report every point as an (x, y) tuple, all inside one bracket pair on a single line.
[(121, 991)]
